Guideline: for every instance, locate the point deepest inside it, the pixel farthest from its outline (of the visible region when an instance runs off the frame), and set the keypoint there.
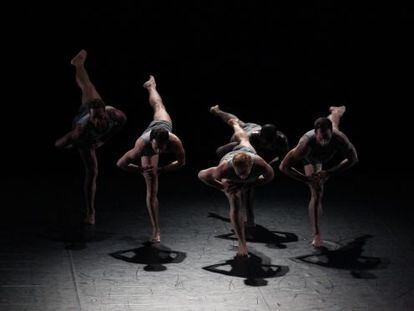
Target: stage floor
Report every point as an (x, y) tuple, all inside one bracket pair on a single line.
[(47, 262)]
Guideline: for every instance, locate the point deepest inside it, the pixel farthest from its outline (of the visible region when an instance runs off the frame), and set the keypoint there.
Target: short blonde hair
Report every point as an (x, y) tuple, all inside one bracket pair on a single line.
[(242, 161)]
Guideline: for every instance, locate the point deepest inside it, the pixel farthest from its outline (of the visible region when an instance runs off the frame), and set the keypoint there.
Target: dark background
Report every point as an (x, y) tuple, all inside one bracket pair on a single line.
[(264, 61), (270, 61)]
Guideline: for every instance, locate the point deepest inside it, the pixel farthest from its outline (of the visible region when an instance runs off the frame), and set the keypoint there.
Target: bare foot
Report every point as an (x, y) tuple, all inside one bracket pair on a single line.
[(337, 110), (317, 241), (242, 251), (156, 237), (150, 82), (89, 219), (79, 59), (214, 109)]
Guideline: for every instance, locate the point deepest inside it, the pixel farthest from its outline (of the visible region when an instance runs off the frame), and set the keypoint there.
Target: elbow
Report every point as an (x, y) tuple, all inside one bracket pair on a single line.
[(271, 176), (356, 160), (122, 118), (282, 167), (353, 159), (59, 144), (202, 175), (120, 164)]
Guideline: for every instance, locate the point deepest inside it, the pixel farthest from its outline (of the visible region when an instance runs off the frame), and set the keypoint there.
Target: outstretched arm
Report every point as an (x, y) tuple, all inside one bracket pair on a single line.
[(179, 153), (128, 160), (293, 156)]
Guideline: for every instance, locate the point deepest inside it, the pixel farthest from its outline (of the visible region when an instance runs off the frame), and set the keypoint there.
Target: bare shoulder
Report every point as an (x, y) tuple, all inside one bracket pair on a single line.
[(341, 137), (303, 145), (139, 142), (116, 114), (175, 140), (260, 161)]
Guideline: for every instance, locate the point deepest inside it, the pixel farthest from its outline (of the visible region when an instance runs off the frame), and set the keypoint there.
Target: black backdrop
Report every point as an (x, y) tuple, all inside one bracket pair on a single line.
[(263, 60)]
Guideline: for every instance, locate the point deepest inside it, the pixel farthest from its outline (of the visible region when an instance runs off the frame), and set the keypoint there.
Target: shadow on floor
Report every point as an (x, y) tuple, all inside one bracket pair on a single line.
[(347, 257), (75, 237), (154, 256), (259, 234), (255, 268)]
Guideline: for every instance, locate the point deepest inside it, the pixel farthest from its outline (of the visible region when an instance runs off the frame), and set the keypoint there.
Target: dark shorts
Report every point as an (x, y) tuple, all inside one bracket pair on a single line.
[(159, 124), (244, 149)]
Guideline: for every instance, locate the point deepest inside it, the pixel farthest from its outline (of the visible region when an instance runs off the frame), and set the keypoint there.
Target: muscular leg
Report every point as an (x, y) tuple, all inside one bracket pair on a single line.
[(335, 115), (82, 78), (315, 205), (91, 173), (225, 116), (151, 180), (236, 219), (155, 100)]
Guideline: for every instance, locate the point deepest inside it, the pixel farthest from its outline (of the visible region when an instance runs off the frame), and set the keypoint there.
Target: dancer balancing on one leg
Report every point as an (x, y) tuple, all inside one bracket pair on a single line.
[(314, 149), (143, 157), (237, 172), (95, 123)]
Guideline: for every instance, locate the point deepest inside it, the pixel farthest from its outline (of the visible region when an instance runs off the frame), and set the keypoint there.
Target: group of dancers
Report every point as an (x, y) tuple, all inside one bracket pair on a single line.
[(244, 163)]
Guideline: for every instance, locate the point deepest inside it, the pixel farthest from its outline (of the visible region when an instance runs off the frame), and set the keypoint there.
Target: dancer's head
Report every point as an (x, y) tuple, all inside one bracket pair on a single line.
[(159, 139), (323, 131), (242, 164), (268, 133), (97, 113)]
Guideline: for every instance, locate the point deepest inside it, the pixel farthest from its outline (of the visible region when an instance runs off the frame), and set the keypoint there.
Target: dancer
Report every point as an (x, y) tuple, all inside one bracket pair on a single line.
[(314, 149), (91, 128), (237, 173), (269, 143), (156, 139)]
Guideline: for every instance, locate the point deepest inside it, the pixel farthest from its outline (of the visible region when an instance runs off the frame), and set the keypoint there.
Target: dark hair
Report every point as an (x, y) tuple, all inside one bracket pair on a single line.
[(268, 132), (323, 124), (95, 103), (160, 135)]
